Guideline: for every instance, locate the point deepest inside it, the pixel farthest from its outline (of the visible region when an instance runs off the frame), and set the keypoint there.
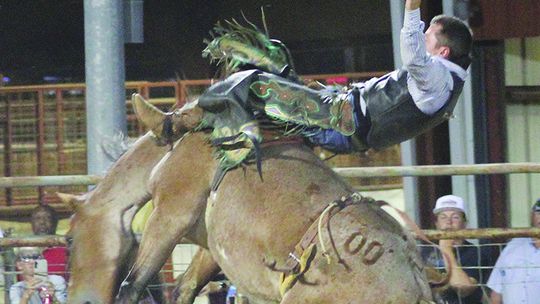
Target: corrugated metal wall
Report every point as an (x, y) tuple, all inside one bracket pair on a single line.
[(522, 68), (523, 129)]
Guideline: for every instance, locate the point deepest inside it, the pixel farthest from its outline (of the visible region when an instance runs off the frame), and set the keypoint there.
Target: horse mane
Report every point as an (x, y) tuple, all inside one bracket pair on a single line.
[(116, 145)]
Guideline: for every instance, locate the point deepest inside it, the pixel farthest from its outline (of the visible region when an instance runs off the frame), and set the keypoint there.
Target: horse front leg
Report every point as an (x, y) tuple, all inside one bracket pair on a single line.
[(200, 271), (167, 225)]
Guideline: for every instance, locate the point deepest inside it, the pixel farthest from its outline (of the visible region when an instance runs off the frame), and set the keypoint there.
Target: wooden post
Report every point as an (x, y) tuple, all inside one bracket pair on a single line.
[(8, 141), (40, 141)]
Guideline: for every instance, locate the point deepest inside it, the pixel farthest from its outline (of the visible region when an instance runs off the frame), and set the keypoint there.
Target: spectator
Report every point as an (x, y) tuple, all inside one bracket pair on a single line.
[(516, 275), (464, 258), (45, 222), (35, 288)]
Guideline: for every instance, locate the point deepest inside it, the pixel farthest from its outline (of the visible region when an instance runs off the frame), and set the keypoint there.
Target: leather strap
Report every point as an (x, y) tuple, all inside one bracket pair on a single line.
[(311, 233), (167, 133)]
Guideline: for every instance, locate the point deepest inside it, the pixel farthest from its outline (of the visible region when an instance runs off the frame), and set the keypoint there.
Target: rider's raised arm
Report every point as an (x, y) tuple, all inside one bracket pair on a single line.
[(411, 5), (412, 40), (429, 81)]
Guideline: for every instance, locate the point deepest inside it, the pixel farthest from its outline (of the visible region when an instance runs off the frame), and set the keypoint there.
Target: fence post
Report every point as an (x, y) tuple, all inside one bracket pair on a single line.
[(8, 257), (40, 141), (8, 141), (60, 131)]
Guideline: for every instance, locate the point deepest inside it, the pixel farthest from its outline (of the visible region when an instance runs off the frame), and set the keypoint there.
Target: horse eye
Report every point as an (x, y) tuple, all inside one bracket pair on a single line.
[(69, 240)]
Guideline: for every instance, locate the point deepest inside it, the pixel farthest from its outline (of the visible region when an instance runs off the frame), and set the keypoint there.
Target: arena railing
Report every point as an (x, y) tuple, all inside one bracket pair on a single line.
[(364, 172), (171, 268), (177, 265), (43, 130)]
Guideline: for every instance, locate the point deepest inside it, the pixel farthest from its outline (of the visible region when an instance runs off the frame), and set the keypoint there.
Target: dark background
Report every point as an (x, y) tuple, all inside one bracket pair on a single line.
[(41, 38)]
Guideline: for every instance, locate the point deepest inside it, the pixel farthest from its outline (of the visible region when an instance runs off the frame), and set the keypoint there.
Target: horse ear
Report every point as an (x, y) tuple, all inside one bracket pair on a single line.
[(148, 114), (73, 201)]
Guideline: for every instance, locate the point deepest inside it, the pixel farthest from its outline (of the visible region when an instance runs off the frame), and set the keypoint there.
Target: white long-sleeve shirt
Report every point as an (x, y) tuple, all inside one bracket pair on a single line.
[(429, 80)]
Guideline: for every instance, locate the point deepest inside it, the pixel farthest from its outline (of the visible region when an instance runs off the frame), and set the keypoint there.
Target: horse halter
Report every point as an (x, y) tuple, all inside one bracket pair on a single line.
[(167, 133)]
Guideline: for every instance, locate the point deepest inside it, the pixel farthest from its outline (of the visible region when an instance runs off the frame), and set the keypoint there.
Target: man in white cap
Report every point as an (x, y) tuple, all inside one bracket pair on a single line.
[(516, 275), (463, 257)]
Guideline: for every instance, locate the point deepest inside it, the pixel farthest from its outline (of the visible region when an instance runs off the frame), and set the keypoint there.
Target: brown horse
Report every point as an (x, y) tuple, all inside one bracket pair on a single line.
[(100, 234), (250, 226)]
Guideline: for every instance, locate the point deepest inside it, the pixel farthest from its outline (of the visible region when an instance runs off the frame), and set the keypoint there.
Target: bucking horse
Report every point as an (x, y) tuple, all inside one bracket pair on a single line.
[(299, 235), (282, 226)]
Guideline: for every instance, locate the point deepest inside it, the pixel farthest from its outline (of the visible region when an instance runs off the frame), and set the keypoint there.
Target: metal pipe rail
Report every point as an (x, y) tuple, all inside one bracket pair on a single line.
[(482, 233), (440, 170), (365, 172), (33, 241), (433, 235), (49, 241), (53, 180)]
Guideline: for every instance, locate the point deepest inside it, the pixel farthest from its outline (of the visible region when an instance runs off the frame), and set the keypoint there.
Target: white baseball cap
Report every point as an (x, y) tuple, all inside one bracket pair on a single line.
[(450, 202)]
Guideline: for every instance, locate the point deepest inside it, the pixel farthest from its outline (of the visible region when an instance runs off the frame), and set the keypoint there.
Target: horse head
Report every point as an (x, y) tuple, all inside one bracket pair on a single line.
[(102, 243), (96, 248), (100, 236)]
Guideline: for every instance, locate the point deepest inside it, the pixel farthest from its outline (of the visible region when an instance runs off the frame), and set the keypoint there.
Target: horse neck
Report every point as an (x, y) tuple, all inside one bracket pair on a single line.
[(125, 183)]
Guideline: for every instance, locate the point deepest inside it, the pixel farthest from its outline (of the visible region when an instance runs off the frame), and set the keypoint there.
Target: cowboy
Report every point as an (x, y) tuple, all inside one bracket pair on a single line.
[(415, 98), (372, 115)]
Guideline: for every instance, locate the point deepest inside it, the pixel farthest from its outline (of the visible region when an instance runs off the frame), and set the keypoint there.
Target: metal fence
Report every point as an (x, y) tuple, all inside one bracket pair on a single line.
[(480, 266), (174, 266), (483, 263), (43, 127)]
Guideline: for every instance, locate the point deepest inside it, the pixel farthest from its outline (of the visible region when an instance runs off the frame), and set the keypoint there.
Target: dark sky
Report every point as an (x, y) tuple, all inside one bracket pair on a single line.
[(44, 37), (37, 35)]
